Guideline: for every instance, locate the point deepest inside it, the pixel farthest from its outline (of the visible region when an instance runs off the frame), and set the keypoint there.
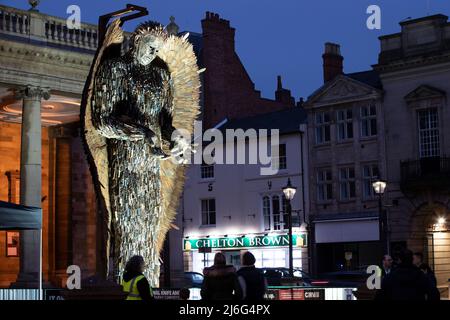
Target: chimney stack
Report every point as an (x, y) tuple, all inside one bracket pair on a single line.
[(332, 61), (283, 95)]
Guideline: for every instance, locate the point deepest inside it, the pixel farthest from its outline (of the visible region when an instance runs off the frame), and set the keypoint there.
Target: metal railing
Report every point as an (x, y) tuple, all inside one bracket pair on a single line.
[(427, 172)]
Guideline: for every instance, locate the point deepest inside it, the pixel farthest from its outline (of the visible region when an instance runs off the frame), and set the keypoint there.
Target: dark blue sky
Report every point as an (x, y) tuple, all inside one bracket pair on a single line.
[(276, 36)]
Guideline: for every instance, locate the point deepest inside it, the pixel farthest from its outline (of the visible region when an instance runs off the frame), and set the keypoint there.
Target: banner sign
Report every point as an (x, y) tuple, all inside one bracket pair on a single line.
[(166, 294), (295, 294), (298, 240)]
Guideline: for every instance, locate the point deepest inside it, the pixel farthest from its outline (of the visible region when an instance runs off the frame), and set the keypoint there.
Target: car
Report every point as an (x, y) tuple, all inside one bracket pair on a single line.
[(345, 278), (280, 276), (351, 279), (193, 280)]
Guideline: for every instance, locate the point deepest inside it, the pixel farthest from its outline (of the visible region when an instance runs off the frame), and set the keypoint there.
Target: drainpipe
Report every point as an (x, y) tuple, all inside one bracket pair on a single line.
[(308, 238)]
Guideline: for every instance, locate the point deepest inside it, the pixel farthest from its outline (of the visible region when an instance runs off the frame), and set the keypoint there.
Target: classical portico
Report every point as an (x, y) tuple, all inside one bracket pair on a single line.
[(43, 69)]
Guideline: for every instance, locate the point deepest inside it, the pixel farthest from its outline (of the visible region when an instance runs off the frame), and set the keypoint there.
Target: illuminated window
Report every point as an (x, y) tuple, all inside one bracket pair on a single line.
[(12, 244), (274, 207)]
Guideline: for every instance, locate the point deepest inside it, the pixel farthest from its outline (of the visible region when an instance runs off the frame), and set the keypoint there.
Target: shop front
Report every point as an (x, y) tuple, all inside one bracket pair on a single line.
[(347, 244), (270, 250)]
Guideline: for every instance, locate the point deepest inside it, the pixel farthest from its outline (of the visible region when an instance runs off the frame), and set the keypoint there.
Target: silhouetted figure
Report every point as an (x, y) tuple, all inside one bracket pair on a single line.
[(406, 282), (432, 280), (386, 265), (417, 259), (251, 279), (220, 282)]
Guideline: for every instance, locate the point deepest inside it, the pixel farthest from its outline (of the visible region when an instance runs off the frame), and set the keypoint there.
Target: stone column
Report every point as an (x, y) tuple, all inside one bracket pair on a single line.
[(30, 180)]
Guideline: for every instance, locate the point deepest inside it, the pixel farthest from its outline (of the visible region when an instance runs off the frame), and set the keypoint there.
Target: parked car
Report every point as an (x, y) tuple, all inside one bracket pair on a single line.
[(351, 279), (193, 280), (345, 278), (281, 277)]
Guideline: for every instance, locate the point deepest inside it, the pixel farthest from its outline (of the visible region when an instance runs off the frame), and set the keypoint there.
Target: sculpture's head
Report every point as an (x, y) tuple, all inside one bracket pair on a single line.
[(146, 41)]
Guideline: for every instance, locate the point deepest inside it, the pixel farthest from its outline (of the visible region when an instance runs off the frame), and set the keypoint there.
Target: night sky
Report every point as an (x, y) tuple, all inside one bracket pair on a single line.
[(283, 37)]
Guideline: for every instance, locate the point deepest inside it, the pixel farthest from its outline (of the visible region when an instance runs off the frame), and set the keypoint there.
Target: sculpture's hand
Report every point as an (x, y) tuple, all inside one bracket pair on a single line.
[(181, 147)]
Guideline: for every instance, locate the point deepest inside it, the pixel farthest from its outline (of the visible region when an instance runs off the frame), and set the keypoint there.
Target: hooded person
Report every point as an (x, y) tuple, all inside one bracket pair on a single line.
[(252, 281), (220, 282)]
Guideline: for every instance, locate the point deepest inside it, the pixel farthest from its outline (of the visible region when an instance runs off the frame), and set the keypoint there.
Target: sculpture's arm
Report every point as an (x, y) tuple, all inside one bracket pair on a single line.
[(166, 114), (110, 93)]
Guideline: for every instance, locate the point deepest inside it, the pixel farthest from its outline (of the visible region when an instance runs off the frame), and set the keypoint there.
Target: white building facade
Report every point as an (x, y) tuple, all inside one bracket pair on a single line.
[(233, 208)]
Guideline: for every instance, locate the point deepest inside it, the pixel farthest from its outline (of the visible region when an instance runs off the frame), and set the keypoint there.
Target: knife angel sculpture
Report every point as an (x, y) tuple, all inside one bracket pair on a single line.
[(132, 106)]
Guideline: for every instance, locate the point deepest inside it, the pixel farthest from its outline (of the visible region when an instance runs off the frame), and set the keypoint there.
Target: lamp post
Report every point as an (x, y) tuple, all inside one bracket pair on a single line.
[(379, 187), (289, 193)]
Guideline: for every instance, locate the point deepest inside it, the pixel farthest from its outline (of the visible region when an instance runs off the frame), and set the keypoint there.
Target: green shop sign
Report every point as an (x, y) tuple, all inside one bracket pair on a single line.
[(298, 240)]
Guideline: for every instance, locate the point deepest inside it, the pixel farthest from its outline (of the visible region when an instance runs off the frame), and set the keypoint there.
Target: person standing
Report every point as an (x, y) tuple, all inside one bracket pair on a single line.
[(417, 259), (406, 282), (432, 280), (252, 281), (220, 282), (387, 265), (134, 282)]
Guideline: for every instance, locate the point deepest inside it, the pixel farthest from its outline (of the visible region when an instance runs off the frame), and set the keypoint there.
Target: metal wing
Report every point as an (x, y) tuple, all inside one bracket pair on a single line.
[(95, 144), (180, 58)]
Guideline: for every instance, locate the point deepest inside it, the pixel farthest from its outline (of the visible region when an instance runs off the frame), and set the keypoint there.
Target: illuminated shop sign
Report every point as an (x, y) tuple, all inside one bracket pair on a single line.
[(298, 240)]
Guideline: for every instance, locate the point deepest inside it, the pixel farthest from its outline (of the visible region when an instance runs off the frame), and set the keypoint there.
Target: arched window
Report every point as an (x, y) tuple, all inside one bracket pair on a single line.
[(266, 212), (274, 207)]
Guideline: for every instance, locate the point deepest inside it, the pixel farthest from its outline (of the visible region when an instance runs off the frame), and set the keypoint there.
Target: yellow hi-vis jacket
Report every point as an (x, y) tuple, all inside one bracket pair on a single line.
[(131, 288)]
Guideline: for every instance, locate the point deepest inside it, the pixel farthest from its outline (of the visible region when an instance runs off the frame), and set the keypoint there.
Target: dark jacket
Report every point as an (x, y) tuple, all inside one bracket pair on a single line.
[(435, 294), (142, 285), (253, 283), (220, 283), (406, 282)]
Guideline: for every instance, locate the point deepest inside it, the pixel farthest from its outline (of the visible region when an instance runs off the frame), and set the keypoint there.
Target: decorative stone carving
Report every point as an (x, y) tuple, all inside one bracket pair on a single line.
[(33, 93)]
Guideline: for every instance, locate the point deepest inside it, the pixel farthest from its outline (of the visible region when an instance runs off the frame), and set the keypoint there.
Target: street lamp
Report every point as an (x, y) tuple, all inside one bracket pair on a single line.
[(379, 187), (289, 193)]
